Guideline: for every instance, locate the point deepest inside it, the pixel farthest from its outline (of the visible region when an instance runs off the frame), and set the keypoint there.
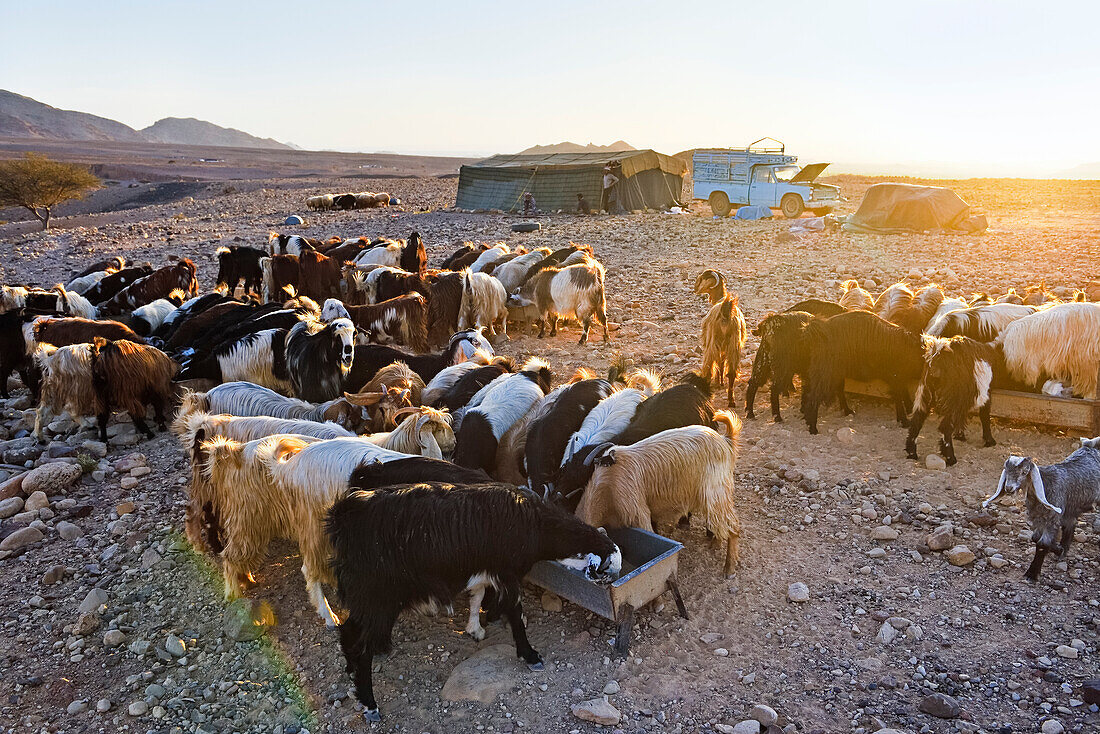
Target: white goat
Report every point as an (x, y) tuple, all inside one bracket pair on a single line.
[(484, 303), (1061, 343)]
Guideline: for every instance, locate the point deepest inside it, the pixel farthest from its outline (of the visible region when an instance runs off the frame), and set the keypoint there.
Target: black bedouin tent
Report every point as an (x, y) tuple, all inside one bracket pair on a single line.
[(647, 180)]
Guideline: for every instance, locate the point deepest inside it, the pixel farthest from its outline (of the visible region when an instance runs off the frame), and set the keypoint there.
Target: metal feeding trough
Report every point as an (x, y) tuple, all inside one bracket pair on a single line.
[(649, 570)]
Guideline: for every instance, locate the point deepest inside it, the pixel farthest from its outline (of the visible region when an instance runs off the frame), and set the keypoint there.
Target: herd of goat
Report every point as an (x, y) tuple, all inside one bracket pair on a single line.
[(349, 400)]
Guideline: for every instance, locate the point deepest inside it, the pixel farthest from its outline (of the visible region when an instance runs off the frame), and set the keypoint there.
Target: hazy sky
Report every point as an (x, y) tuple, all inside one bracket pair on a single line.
[(983, 87)]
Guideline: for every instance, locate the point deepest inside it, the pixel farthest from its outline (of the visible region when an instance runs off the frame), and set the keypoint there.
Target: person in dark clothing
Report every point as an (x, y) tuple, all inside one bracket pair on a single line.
[(582, 205)]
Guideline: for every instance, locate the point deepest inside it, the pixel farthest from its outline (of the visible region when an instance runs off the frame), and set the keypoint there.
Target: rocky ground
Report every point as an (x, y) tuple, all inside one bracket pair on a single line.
[(872, 591)]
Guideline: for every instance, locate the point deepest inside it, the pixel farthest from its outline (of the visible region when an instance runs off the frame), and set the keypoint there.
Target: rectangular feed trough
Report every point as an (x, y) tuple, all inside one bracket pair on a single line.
[(1075, 414), (649, 570)]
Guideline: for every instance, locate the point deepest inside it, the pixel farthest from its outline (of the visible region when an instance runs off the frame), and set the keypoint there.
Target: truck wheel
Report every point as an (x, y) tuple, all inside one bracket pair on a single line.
[(719, 203), (792, 206)]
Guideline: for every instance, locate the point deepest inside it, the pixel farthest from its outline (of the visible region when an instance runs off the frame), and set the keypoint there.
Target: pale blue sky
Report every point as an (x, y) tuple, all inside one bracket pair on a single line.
[(981, 87)]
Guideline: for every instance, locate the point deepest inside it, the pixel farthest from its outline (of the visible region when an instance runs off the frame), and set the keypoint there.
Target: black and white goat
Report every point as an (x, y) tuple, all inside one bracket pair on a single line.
[(983, 323), (554, 421), (471, 382), (478, 537), (958, 375), (575, 290), (505, 401), (369, 358), (319, 358), (1055, 496)]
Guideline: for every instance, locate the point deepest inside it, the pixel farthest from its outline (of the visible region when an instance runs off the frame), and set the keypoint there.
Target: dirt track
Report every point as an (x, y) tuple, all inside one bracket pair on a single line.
[(807, 505)]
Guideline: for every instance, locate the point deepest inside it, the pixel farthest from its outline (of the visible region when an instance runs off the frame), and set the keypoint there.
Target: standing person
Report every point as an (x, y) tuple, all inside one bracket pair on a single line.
[(582, 205), (609, 194)]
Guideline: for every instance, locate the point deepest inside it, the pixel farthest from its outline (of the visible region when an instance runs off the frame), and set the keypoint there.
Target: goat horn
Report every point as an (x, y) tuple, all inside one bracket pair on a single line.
[(1000, 488), (406, 410), (1040, 490)]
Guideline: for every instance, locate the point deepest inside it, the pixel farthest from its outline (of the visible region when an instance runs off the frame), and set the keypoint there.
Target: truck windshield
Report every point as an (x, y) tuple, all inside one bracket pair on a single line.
[(786, 173)]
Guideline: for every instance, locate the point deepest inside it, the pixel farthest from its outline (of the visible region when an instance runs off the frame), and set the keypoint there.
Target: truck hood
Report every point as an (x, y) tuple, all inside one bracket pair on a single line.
[(809, 173)]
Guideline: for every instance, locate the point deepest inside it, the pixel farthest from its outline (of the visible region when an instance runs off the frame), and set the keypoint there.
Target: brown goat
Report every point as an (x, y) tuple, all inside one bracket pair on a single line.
[(127, 376), (318, 275), (723, 336), (158, 284), (279, 272), (66, 331), (403, 319)]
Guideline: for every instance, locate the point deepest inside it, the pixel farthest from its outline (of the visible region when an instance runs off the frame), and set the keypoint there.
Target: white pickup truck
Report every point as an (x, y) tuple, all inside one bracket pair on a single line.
[(732, 177)]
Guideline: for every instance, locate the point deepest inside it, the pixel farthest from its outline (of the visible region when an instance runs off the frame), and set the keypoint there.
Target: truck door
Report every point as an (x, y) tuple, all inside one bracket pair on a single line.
[(762, 188)]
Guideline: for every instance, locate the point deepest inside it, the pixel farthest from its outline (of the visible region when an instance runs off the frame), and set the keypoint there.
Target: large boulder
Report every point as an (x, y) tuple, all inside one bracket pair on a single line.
[(51, 478), (483, 676)]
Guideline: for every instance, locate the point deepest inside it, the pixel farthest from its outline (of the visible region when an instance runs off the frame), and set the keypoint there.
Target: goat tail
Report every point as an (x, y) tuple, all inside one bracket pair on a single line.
[(268, 280), (728, 424)]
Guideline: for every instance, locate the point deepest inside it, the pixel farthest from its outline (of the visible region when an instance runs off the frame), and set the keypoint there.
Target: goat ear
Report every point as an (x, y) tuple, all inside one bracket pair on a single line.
[(1040, 490), (1000, 488), (364, 399), (429, 447)]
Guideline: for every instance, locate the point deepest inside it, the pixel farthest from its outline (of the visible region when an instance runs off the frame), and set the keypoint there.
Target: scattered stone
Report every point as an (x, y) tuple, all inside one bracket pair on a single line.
[(845, 435), (10, 506), (246, 619), (941, 538), (125, 508), (95, 599), (138, 708), (1052, 726), (140, 647), (940, 705), (748, 726), (68, 531), (748, 679), (140, 471), (884, 533), (798, 592), (551, 602), (959, 555), (51, 479), (113, 638), (76, 707), (998, 561), (877, 553), (150, 558), (128, 483), (103, 705), (12, 487), (175, 646), (598, 711), (86, 623), (935, 462), (611, 688), (764, 714), (886, 634), (36, 501), (95, 448), (891, 731), (21, 538), (1065, 651), (1090, 691), (483, 676), (52, 576), (721, 652), (709, 638)]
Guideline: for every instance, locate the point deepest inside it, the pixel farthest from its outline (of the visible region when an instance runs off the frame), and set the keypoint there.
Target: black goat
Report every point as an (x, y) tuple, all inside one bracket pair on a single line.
[(112, 284), (859, 345), (369, 358), (471, 382), (554, 422), (782, 354), (411, 470), (237, 263), (468, 538), (13, 353)]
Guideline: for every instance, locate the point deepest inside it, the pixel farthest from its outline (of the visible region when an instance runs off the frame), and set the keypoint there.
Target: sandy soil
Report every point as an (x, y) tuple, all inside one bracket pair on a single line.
[(807, 505)]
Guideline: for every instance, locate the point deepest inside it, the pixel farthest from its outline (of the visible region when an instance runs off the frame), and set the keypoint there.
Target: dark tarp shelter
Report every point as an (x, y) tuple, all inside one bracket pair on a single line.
[(647, 180), (890, 208)]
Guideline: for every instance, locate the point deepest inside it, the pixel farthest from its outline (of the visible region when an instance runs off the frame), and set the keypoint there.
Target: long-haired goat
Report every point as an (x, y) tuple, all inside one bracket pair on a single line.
[(479, 536), (712, 284), (983, 323), (127, 376), (398, 375), (387, 253), (248, 399), (613, 414), (859, 345), (470, 383), (491, 255), (723, 336), (854, 298), (662, 478), (444, 303), (484, 303), (279, 273), (576, 290), (66, 383), (553, 423), (1055, 496), (147, 319), (912, 312), (403, 320), (506, 400), (513, 273), (158, 284), (424, 432), (413, 469), (199, 426), (369, 358), (448, 376), (109, 286), (783, 353), (1060, 343), (238, 263)]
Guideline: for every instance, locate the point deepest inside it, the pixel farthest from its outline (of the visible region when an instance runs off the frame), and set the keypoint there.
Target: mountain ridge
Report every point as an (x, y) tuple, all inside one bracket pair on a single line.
[(24, 117)]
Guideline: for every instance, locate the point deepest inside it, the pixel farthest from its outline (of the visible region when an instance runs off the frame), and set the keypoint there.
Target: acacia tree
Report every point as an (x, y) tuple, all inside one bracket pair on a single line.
[(38, 184)]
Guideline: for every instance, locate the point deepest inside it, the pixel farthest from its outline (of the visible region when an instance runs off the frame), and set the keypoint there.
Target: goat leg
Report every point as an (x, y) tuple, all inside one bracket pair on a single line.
[(587, 324), (916, 422), (101, 419), (947, 447), (1068, 527), (842, 400), (553, 324), (542, 326), (809, 412), (1036, 563), (141, 425), (987, 430), (900, 408), (359, 663), (510, 598)]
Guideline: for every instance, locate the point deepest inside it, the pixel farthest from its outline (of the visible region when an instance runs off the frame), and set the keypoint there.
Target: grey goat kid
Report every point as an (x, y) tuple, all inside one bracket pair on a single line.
[(1055, 496)]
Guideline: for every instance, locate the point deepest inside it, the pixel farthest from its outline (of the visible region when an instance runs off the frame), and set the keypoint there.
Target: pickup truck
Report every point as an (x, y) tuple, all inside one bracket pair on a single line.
[(731, 177)]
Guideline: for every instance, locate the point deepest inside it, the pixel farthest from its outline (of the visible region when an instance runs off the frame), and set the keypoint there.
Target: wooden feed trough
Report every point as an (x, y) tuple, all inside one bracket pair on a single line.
[(1075, 414), (649, 570)]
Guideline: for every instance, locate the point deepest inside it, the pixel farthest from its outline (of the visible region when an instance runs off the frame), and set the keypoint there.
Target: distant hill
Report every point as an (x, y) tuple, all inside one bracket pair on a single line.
[(568, 147), (23, 117), (1085, 170)]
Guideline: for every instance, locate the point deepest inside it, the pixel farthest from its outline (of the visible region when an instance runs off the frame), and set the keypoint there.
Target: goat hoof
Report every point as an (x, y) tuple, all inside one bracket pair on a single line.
[(990, 442), (536, 666), (779, 419), (372, 715), (950, 460)]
